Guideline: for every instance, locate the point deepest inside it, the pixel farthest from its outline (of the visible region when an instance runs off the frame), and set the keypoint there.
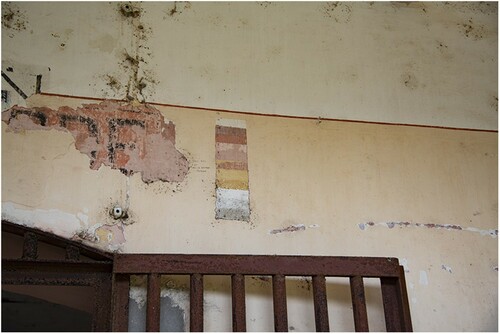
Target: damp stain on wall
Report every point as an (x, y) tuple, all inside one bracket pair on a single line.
[(13, 18), (338, 11), (134, 81), (176, 9), (132, 138), (472, 30), (232, 188), (449, 227)]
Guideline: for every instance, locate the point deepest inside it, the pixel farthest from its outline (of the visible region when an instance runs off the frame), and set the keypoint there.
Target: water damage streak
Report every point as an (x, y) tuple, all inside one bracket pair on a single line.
[(128, 137), (492, 233)]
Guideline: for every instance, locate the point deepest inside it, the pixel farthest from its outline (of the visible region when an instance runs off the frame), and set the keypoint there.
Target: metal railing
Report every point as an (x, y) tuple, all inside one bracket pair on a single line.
[(391, 274)]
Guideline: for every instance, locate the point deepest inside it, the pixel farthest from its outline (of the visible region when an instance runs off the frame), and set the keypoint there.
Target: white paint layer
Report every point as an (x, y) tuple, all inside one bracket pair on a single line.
[(234, 123), (232, 204), (233, 199), (52, 220)]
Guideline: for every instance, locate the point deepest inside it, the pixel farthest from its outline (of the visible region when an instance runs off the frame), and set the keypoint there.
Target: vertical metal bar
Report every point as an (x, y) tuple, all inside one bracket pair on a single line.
[(102, 303), (121, 290), (30, 246), (238, 299), (392, 309), (359, 304), (407, 326), (196, 303), (320, 303), (153, 304), (279, 304)]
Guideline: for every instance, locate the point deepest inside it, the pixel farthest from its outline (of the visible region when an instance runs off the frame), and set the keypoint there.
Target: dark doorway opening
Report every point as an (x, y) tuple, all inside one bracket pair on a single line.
[(25, 313)]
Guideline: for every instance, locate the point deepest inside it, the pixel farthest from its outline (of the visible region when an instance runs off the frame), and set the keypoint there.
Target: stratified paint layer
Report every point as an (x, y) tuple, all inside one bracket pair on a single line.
[(231, 181), (131, 138)]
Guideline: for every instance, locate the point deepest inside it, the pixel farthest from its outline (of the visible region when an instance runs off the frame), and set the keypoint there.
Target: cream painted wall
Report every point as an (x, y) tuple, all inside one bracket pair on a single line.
[(332, 177), (419, 63)]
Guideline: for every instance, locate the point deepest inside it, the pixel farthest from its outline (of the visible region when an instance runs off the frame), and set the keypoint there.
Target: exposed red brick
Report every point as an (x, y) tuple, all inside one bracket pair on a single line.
[(131, 138)]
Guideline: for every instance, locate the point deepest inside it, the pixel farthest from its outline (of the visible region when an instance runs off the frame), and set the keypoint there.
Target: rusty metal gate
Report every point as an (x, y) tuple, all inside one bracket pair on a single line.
[(109, 276), (391, 274)]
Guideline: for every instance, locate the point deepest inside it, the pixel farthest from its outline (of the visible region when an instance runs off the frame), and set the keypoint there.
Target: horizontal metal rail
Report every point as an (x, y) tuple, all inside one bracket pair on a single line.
[(183, 264)]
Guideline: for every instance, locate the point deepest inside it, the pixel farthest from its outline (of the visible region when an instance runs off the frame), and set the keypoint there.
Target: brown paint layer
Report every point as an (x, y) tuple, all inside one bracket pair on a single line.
[(131, 138), (230, 131)]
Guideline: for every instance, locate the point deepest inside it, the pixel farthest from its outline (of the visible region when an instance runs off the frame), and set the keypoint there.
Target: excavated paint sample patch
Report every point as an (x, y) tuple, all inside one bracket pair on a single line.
[(231, 181), (131, 138)]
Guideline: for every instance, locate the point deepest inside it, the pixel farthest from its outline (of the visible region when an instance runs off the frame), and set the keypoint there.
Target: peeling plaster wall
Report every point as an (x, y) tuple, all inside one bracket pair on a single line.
[(427, 196), (420, 63)]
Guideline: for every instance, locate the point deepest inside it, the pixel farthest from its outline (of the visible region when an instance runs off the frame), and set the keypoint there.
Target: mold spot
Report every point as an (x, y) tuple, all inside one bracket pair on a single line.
[(472, 30), (441, 46), (173, 10), (178, 8), (12, 17), (306, 283), (129, 10), (140, 82), (466, 7), (340, 12), (113, 83), (409, 80)]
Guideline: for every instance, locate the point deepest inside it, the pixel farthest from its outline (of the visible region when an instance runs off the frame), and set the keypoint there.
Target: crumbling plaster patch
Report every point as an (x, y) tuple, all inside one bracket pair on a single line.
[(175, 290), (61, 223), (107, 236), (129, 137)]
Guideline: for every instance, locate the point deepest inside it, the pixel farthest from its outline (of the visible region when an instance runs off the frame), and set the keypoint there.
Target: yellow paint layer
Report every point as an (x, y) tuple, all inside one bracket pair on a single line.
[(232, 179)]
